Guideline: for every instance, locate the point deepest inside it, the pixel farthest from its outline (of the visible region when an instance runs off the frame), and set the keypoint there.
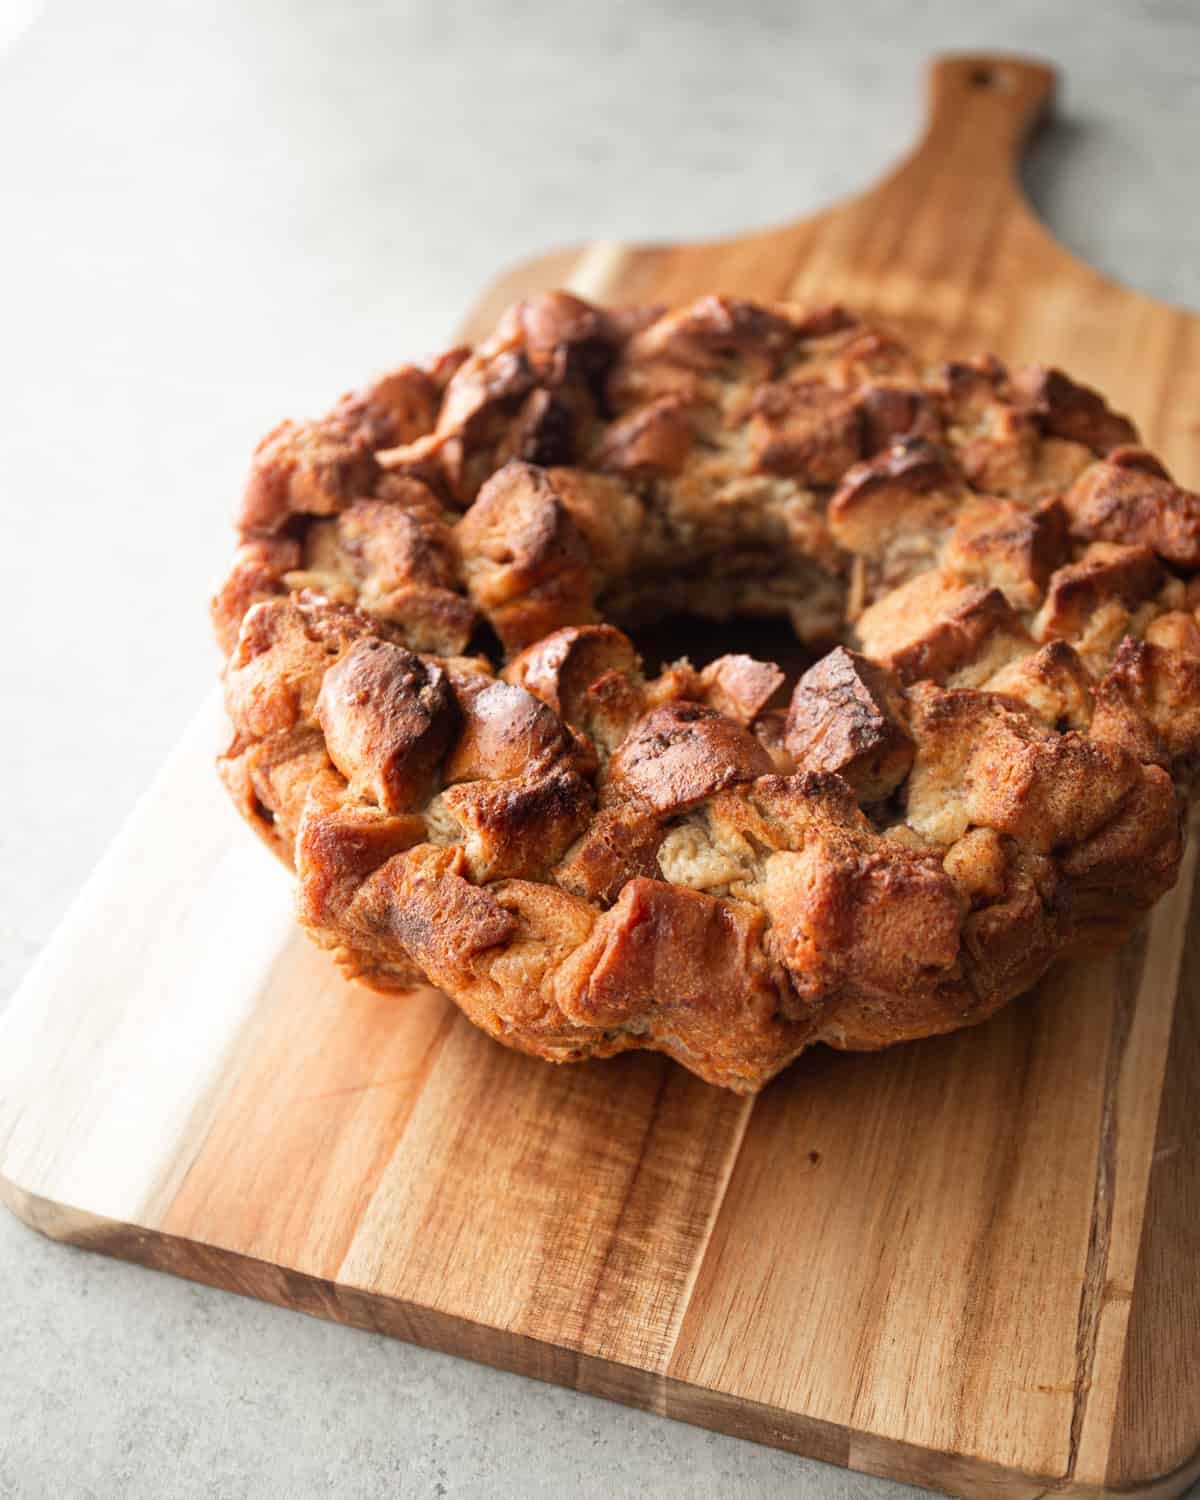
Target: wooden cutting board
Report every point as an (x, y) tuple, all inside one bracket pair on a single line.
[(973, 1263)]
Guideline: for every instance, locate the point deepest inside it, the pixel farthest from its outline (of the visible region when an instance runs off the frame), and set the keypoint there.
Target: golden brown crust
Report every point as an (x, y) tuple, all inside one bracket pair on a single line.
[(847, 715), (806, 430), (679, 753), (1052, 683), (693, 973), (590, 860), (1115, 502), (1004, 544), (340, 843), (564, 667), (1105, 570), (905, 494), (519, 826), (939, 628), (844, 905), (387, 717), (315, 468), (1067, 410), (740, 687), (506, 732), (524, 561), (620, 843), (421, 903), (1149, 701)]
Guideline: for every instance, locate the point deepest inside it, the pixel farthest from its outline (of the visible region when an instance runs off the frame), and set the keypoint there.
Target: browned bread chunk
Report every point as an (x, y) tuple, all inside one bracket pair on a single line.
[(387, 717), (1113, 502), (938, 628), (847, 715)]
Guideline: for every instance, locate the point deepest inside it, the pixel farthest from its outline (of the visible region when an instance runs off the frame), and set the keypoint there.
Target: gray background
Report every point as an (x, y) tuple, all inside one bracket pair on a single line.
[(215, 214)]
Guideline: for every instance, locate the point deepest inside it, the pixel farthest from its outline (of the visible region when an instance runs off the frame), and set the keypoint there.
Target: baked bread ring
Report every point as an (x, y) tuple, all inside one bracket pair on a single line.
[(440, 723)]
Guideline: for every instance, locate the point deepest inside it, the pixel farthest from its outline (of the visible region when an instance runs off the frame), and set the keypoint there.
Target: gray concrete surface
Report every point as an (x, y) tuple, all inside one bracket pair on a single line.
[(215, 214)]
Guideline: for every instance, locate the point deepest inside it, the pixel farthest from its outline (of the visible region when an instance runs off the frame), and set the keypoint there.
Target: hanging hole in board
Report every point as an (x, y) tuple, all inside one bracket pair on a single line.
[(984, 77)]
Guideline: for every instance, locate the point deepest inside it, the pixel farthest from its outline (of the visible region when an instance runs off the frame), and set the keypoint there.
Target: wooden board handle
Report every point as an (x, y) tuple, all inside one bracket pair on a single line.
[(982, 109)]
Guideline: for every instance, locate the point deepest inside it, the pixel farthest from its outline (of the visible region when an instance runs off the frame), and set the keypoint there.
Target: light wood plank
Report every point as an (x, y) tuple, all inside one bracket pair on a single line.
[(122, 1030), (1157, 1408)]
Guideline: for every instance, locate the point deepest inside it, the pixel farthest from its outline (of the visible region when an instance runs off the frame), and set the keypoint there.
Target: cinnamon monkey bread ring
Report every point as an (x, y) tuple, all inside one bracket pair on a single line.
[(439, 721)]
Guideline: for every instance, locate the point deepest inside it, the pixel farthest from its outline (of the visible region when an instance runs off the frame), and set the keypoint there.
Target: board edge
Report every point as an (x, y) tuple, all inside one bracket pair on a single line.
[(522, 1354)]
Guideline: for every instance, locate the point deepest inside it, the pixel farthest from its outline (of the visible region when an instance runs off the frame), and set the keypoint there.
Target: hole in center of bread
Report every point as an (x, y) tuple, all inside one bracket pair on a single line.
[(665, 640)]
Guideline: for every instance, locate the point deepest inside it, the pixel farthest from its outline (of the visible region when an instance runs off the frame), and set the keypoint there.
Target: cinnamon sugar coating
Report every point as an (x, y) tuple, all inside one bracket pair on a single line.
[(440, 722)]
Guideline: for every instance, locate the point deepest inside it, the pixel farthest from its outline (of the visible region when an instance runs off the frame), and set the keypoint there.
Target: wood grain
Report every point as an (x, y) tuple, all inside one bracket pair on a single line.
[(1151, 1433), (970, 1263)]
